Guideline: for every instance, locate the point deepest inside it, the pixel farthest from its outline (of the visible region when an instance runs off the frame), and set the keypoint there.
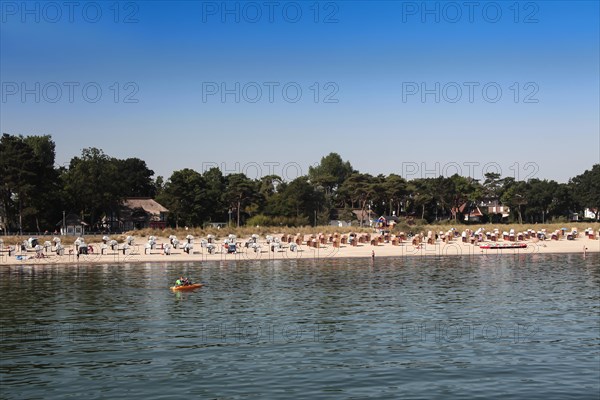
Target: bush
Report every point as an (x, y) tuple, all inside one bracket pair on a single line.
[(265, 220)]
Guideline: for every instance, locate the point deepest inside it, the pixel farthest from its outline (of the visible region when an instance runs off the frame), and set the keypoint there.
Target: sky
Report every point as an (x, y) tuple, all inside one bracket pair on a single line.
[(420, 89)]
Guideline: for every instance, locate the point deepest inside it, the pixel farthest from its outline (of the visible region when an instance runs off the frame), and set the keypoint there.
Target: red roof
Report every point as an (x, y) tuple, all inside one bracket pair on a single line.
[(475, 212)]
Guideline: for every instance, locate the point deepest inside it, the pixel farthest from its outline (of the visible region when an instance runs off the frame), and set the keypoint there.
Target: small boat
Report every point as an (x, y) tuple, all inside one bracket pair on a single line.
[(187, 287), (500, 246)]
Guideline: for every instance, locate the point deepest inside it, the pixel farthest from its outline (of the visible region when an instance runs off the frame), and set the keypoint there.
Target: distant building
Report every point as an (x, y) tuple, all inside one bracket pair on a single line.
[(143, 212), (494, 207), (72, 225), (573, 217), (339, 223), (364, 217), (217, 225), (471, 213), (591, 213)]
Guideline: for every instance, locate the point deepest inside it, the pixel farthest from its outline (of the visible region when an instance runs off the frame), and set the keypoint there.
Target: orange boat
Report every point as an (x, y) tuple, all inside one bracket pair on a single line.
[(187, 287)]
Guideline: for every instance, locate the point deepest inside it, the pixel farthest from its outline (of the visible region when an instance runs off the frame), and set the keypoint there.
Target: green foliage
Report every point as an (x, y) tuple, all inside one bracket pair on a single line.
[(240, 192), (267, 220), (298, 199), (91, 184), (185, 196), (135, 178), (396, 190), (34, 193), (515, 198), (586, 188), (214, 202), (331, 172), (28, 184)]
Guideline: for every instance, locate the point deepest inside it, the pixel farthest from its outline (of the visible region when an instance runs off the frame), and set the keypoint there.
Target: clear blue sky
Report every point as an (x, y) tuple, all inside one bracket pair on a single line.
[(400, 84)]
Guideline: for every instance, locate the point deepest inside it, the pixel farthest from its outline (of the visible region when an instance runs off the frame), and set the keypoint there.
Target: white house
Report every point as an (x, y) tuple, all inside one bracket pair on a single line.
[(591, 213)]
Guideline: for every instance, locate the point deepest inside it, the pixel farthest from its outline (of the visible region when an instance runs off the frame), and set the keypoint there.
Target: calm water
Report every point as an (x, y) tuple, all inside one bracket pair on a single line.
[(458, 327)]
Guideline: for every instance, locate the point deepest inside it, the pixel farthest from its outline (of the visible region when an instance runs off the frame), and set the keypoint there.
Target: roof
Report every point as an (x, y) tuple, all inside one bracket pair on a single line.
[(147, 204), (360, 214), (474, 211), (71, 219)]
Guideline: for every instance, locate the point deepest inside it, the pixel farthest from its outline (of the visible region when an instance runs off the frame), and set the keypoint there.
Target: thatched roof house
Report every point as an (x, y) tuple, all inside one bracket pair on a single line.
[(143, 212)]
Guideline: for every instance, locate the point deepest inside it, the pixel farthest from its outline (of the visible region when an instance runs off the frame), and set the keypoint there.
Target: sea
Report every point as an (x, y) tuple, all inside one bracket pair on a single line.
[(524, 326)]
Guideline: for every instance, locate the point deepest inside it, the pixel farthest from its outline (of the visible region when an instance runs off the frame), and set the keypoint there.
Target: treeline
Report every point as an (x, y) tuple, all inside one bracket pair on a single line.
[(34, 193)]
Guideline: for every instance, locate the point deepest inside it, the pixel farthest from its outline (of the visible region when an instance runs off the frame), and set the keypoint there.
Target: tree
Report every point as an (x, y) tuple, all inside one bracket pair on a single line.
[(464, 190), (18, 169), (515, 196), (185, 196), (300, 199), (423, 194), (586, 188), (360, 189), (215, 189), (238, 193), (492, 186), (135, 178), (92, 185), (396, 190), (331, 172), (159, 185), (267, 186), (45, 200), (563, 202)]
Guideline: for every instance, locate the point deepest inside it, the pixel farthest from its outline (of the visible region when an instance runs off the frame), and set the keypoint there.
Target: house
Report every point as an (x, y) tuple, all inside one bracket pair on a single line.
[(494, 207), (339, 223), (471, 213), (143, 212), (364, 217), (72, 225), (573, 217), (216, 225), (591, 213)]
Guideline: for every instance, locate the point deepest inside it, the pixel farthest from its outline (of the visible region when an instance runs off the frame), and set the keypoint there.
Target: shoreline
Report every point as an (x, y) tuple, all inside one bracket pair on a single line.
[(283, 251)]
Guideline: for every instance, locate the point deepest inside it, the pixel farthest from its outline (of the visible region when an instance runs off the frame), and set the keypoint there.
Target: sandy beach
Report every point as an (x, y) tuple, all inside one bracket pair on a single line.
[(282, 246)]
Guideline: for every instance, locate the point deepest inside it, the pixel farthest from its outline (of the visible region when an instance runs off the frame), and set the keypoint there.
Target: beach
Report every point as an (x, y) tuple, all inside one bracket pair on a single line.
[(280, 246)]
